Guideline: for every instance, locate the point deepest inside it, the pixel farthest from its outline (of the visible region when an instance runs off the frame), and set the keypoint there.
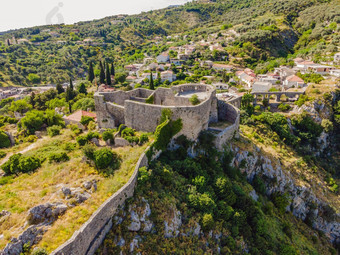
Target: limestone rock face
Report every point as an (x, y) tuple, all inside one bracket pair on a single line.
[(31, 235), (46, 213), (142, 219), (171, 228), (303, 202)]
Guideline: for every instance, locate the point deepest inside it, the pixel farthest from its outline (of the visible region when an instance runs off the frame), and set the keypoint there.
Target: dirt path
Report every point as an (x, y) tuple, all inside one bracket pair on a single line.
[(28, 148)]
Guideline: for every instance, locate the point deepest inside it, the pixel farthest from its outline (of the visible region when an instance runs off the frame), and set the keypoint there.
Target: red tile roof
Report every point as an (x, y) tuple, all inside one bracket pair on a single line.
[(78, 114)]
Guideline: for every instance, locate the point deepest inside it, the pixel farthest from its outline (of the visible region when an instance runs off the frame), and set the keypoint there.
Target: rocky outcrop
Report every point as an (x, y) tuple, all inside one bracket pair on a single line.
[(46, 213), (304, 204), (140, 221), (171, 227)]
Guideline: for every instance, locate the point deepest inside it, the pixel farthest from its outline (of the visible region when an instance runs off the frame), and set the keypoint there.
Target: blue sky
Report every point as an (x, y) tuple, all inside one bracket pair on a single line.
[(27, 13)]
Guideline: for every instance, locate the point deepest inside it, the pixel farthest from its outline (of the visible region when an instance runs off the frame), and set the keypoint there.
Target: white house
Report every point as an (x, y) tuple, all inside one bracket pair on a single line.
[(247, 79), (168, 75), (335, 72), (320, 69), (148, 75), (293, 81), (163, 58), (304, 65), (261, 86)]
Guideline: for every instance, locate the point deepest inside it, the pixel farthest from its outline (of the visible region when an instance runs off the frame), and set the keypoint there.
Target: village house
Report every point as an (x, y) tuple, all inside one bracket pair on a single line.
[(320, 69), (244, 77), (168, 76), (207, 63), (261, 86), (163, 58), (304, 65), (283, 72), (216, 47), (224, 67), (293, 81), (176, 62), (183, 57), (298, 60), (131, 78), (272, 78), (75, 117), (335, 72), (148, 76)]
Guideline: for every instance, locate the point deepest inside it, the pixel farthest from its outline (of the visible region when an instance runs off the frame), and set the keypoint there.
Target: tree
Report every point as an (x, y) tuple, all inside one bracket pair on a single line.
[(60, 88), (151, 85), (112, 70), (82, 88), (69, 94), (91, 73), (102, 74), (85, 120), (71, 85), (32, 99), (108, 75), (105, 158), (4, 140), (20, 106), (32, 122), (120, 77), (194, 100), (34, 78)]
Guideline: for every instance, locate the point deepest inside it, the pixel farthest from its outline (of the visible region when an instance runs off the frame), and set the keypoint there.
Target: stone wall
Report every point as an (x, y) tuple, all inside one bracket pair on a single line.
[(227, 112), (88, 238), (117, 112), (104, 118)]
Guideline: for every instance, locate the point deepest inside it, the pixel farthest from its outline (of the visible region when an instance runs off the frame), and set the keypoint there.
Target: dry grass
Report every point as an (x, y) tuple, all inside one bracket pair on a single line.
[(29, 190)]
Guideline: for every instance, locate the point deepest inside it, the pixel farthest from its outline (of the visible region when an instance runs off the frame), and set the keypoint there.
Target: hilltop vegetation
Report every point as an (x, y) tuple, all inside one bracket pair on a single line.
[(265, 30)]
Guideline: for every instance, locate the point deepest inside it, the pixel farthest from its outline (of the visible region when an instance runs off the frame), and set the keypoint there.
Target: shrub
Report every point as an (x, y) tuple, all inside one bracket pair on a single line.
[(31, 139), (128, 132), (105, 158), (132, 139), (85, 120), (69, 146), (76, 130), (91, 135), (327, 125), (284, 107), (143, 175), (150, 100), (281, 201), (92, 126), (194, 100), (89, 151), (143, 139), (5, 142), (54, 130), (207, 222), (39, 251), (2, 154), (58, 157), (81, 140), (20, 164), (108, 135)]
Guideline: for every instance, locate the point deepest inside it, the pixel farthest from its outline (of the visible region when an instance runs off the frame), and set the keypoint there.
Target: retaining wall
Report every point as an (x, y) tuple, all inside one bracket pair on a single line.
[(88, 238)]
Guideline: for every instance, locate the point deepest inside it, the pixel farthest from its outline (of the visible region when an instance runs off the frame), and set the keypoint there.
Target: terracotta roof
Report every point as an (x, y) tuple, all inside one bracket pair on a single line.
[(294, 78), (78, 114)]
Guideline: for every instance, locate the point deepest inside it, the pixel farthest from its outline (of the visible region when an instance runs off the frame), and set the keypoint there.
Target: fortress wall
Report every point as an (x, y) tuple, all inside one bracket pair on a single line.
[(227, 112), (88, 238), (147, 116), (236, 102), (104, 118), (117, 112)]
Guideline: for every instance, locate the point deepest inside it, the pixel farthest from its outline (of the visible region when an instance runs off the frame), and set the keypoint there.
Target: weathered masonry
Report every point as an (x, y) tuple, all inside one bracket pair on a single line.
[(131, 108)]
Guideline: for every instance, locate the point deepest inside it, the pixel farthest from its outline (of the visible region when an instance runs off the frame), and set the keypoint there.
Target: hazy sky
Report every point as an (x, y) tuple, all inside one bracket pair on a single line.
[(28, 13)]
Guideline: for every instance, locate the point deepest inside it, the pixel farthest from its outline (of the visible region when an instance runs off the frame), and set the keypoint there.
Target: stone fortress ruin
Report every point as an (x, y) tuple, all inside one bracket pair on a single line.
[(141, 109)]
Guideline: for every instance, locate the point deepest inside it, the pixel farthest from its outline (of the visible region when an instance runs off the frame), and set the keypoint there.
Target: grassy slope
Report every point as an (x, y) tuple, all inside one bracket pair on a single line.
[(29, 190)]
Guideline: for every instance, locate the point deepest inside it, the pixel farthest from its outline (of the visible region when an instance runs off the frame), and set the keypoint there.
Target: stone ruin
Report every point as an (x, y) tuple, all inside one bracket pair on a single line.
[(141, 109)]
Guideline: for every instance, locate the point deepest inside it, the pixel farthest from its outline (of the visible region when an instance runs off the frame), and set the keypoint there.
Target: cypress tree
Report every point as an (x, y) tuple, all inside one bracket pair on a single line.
[(151, 85), (68, 94), (108, 75), (112, 70), (102, 74), (82, 89), (60, 88), (91, 73), (71, 85)]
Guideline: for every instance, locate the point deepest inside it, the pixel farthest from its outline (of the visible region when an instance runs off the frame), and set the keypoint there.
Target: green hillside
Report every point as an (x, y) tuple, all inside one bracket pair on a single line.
[(265, 30)]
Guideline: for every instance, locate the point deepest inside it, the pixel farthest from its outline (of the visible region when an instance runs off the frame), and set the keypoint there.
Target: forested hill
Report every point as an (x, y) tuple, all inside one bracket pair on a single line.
[(263, 30)]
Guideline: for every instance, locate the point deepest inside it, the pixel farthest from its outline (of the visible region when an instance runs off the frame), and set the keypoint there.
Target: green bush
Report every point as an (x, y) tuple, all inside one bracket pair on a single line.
[(150, 100), (81, 140), (85, 120), (54, 130), (108, 135), (105, 158), (5, 142), (39, 251), (31, 139), (284, 107), (2, 154), (132, 139), (91, 135), (143, 175), (143, 139), (89, 151), (281, 201), (128, 132), (194, 100), (207, 222), (58, 157), (21, 164)]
